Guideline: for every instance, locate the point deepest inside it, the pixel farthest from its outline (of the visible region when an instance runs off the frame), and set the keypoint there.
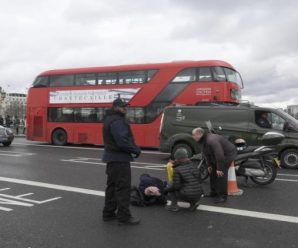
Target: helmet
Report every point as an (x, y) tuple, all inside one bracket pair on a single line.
[(240, 144)]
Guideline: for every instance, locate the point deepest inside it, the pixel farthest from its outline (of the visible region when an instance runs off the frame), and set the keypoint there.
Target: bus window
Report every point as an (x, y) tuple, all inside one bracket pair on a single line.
[(107, 78), (62, 80), (219, 74), (151, 74), (60, 115), (233, 76), (153, 110), (85, 115), (41, 82), (85, 79), (132, 77), (170, 92), (205, 74), (136, 115), (187, 75)]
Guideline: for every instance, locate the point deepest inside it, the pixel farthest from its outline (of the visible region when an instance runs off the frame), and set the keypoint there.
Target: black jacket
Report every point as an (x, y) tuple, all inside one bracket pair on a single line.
[(118, 139), (217, 150), (186, 180)]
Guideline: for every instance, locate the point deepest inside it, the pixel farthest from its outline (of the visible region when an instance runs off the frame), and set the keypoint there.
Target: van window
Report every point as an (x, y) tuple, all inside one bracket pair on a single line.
[(277, 122), (263, 119)]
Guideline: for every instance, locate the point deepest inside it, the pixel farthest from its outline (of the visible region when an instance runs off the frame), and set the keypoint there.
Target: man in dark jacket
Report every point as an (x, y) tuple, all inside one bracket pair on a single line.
[(219, 154), (119, 151), (186, 184), (263, 121)]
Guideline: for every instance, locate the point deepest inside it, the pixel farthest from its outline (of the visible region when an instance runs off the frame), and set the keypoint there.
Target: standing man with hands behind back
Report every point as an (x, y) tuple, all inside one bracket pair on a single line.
[(120, 149)]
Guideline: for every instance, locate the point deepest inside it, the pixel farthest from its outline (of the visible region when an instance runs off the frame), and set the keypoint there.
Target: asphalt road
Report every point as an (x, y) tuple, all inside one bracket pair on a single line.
[(53, 197)]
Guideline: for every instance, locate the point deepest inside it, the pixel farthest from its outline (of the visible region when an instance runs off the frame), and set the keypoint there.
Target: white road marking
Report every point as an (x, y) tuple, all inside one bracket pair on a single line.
[(286, 180), (52, 186), (231, 211), (15, 154), (150, 166), (288, 175), (83, 148), (5, 209), (4, 189), (252, 214)]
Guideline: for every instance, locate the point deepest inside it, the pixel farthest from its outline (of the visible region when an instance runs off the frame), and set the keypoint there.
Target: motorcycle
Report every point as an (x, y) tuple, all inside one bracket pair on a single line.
[(257, 163)]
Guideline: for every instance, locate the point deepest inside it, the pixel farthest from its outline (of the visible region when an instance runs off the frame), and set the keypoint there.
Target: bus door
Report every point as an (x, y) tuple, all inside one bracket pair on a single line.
[(37, 121)]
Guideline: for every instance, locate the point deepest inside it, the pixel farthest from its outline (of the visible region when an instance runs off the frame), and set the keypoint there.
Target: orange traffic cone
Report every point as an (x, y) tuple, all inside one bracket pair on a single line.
[(232, 182)]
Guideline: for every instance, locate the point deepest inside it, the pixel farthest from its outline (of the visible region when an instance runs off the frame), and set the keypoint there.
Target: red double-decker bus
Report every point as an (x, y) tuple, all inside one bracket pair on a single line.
[(68, 105)]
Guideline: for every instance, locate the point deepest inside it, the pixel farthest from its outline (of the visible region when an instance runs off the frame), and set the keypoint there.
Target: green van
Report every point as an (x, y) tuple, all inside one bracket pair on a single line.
[(245, 121)]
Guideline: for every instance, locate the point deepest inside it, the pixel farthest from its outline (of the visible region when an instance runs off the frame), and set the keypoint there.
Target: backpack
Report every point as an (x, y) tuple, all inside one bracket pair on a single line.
[(136, 197)]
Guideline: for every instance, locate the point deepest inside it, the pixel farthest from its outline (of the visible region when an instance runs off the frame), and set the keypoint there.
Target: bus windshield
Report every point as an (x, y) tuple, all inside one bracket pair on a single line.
[(233, 76)]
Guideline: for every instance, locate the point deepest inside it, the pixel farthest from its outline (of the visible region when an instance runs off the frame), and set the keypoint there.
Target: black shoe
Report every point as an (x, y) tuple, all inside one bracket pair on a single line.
[(211, 194), (131, 221), (109, 218), (172, 208), (194, 206), (220, 199)]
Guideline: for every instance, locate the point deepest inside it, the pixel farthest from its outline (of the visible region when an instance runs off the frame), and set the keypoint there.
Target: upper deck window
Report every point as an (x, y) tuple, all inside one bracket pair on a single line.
[(41, 81), (62, 80), (101, 78), (205, 74), (187, 75), (85, 79), (107, 78), (132, 77), (233, 76), (219, 74)]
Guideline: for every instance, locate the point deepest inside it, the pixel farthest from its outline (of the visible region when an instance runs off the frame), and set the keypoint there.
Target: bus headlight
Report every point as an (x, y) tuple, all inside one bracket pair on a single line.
[(235, 94)]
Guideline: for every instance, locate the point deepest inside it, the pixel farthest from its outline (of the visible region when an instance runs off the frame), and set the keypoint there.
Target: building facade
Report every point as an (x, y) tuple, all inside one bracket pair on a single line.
[(12, 105), (293, 110)]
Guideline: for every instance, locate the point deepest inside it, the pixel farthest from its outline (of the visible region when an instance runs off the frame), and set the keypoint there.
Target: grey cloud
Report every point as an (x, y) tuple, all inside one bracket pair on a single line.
[(257, 37)]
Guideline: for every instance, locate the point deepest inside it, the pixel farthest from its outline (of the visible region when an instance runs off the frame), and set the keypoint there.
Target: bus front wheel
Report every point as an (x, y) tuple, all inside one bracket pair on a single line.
[(59, 137)]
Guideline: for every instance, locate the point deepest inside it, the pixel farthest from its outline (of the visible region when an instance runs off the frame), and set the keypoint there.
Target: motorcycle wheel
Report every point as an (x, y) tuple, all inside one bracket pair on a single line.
[(270, 174)]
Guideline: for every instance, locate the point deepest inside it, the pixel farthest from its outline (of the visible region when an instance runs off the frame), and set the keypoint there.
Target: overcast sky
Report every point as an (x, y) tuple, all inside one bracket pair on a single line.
[(259, 38)]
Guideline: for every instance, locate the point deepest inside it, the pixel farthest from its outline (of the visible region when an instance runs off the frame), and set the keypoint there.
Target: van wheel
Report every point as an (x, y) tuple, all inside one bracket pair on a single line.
[(6, 143), (182, 145), (59, 137), (289, 159)]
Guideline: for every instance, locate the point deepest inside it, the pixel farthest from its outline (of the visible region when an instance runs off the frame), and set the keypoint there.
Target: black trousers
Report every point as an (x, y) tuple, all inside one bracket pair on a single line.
[(219, 185), (117, 194)]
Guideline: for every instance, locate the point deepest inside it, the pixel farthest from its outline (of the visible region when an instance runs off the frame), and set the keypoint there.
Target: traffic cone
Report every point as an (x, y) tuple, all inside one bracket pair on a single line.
[(232, 182)]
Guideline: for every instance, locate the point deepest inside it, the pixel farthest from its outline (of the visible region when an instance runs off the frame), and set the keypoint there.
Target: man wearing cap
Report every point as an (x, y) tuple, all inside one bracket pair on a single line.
[(219, 153), (186, 184), (120, 149)]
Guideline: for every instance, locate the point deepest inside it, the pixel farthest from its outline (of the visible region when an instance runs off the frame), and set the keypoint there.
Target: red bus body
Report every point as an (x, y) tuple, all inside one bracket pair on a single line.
[(187, 83)]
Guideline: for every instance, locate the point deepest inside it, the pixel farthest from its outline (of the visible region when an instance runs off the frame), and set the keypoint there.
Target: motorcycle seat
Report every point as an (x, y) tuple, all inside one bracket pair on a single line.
[(247, 155), (251, 163)]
